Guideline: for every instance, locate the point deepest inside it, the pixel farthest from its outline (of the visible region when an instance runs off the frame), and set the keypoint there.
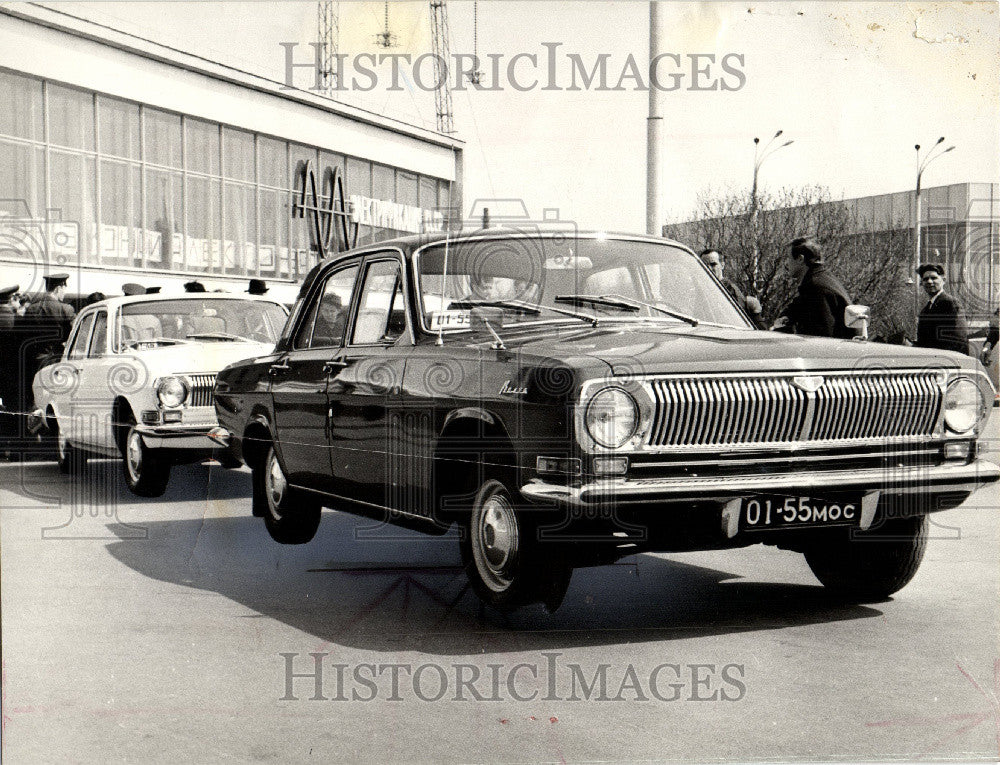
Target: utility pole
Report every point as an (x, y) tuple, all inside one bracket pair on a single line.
[(654, 132), (929, 157)]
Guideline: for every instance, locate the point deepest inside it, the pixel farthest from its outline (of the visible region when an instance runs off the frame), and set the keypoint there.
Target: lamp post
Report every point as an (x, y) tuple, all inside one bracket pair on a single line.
[(922, 164), (759, 155)]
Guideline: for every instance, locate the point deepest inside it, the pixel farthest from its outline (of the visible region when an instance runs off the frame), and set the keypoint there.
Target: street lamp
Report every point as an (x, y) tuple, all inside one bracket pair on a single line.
[(929, 157), (759, 155)]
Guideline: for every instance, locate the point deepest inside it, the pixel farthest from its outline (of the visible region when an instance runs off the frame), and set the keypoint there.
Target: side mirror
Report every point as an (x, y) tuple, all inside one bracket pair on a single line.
[(856, 317)]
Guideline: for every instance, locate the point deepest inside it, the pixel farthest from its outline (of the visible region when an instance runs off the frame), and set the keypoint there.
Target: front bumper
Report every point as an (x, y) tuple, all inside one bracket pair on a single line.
[(958, 477), (192, 438)]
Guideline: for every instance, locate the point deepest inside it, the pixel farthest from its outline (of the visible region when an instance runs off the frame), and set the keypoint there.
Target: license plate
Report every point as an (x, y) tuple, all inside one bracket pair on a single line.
[(777, 511)]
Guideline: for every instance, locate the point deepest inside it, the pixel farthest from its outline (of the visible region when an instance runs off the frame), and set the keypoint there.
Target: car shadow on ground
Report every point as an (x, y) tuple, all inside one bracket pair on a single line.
[(403, 591)]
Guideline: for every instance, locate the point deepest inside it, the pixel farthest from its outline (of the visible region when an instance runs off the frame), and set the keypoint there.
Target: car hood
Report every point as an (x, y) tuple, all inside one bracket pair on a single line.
[(652, 348), (198, 356)]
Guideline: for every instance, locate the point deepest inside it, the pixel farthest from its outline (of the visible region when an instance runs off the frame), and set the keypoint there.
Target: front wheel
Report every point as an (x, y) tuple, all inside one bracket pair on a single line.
[(71, 461), (502, 554), (146, 471), (871, 566), (291, 517)]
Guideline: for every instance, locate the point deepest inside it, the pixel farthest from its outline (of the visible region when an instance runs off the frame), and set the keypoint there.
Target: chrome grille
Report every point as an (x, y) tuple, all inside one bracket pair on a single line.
[(201, 389), (769, 409)]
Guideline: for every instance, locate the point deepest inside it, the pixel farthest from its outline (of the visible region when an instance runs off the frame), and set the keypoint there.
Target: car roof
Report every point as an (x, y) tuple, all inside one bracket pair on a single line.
[(116, 302)]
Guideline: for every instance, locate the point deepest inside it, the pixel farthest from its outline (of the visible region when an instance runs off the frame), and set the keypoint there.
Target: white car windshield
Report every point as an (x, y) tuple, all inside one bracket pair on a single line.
[(202, 319), (598, 277)]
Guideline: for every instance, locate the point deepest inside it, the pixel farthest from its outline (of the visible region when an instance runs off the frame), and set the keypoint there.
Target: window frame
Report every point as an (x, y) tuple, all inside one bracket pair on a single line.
[(370, 260), (71, 343), (98, 315), (315, 296)]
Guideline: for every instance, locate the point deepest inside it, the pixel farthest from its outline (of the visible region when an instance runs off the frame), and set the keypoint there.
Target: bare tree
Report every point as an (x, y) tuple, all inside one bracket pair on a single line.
[(870, 257)]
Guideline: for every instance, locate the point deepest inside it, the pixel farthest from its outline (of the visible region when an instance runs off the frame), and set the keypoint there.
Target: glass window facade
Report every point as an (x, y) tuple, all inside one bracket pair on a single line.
[(105, 182)]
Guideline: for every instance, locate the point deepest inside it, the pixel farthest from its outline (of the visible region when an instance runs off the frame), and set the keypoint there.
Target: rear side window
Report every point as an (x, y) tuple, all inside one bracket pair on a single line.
[(381, 313), (326, 317), (99, 340)]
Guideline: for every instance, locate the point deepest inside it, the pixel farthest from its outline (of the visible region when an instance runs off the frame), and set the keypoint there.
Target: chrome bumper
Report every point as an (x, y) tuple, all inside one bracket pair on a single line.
[(183, 437), (938, 478)]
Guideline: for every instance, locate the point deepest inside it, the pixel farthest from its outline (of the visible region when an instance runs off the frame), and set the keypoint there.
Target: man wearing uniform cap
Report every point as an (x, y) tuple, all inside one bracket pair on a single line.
[(152, 290), (8, 311), (941, 323), (50, 308), (43, 329), (129, 289)]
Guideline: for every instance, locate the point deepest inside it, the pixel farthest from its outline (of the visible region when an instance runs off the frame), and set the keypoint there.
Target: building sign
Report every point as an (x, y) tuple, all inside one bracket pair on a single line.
[(330, 226), (382, 214), (334, 218)]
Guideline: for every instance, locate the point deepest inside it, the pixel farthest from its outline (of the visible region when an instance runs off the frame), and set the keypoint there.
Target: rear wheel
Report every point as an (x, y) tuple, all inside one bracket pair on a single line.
[(291, 517), (502, 554), (871, 565), (146, 470)]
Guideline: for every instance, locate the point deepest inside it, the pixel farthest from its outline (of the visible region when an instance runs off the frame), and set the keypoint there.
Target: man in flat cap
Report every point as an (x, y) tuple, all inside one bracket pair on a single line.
[(257, 287), (941, 323), (130, 289), (818, 308)]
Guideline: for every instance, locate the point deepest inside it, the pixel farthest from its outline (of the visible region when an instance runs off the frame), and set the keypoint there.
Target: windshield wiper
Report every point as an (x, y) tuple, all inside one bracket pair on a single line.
[(652, 306), (513, 305), (607, 301), (214, 336)]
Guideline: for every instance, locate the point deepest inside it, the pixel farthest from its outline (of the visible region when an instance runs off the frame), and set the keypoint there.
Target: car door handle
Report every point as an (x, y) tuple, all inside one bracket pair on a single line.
[(276, 369), (334, 366)]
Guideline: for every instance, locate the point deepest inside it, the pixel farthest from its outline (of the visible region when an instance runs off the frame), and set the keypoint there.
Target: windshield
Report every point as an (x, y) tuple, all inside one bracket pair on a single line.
[(202, 319), (594, 277)]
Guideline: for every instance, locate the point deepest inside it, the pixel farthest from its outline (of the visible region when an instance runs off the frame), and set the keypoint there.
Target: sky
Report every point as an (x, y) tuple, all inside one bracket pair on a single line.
[(854, 85)]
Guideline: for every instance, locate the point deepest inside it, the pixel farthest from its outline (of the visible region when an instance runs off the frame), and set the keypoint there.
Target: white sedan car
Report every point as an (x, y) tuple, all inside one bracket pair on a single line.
[(136, 379)]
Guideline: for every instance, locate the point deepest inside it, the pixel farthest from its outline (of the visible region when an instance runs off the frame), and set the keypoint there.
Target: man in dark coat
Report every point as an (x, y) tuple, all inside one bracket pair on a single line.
[(941, 323), (818, 308), (717, 264)]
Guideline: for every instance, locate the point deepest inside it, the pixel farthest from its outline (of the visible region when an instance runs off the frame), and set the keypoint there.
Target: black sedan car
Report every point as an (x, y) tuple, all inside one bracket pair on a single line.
[(568, 399)]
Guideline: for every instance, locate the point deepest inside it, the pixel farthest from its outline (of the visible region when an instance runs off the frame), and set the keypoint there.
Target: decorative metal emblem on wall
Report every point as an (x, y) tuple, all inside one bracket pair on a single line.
[(330, 226)]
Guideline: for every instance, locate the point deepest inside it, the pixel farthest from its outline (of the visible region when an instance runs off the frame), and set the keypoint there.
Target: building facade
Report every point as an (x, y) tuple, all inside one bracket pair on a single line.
[(960, 229), (122, 160)]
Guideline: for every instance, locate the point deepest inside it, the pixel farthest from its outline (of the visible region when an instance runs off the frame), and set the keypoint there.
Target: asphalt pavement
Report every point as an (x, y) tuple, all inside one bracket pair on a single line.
[(174, 630)]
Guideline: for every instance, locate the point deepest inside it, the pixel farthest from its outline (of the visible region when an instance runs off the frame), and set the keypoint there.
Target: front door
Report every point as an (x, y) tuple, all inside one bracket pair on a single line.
[(366, 455), (299, 380)]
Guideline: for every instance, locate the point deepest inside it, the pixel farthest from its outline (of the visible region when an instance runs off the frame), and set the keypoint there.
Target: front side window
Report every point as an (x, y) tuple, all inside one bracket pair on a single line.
[(78, 348), (381, 312), (99, 340), (326, 318)]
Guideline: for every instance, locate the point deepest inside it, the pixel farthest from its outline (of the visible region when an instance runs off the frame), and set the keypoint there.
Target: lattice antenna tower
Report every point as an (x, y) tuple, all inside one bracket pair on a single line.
[(385, 38), (442, 55), (328, 25)]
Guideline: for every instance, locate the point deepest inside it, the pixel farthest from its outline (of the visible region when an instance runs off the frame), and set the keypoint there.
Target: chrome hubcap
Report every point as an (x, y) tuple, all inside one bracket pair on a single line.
[(133, 454), (275, 485), (495, 541)]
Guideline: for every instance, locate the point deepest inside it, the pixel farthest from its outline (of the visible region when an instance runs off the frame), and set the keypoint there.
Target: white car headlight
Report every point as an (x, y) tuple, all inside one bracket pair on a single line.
[(172, 391), (963, 405), (612, 417)]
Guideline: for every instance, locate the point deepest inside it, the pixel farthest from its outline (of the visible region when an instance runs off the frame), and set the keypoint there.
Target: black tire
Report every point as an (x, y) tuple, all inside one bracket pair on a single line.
[(146, 471), (873, 565), (71, 461), (503, 556), (291, 516)]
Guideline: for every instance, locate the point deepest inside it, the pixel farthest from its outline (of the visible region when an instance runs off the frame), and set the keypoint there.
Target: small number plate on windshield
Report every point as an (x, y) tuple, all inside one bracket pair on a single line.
[(776, 511)]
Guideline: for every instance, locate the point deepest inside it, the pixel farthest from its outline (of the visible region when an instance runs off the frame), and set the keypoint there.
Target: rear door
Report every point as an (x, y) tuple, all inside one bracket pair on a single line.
[(299, 379)]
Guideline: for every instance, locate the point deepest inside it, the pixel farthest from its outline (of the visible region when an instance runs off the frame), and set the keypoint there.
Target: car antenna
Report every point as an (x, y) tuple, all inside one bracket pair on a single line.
[(444, 270)]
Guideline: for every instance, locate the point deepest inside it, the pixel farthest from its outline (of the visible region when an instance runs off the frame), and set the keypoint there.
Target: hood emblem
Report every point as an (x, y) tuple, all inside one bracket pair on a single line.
[(810, 384), (509, 390)]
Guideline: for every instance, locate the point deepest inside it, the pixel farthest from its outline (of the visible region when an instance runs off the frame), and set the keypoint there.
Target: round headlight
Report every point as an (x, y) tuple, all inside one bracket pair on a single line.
[(963, 405), (612, 417), (172, 391)]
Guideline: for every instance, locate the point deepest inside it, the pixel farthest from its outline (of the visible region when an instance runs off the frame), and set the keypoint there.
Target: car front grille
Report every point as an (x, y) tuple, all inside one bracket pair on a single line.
[(767, 410), (201, 389)]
